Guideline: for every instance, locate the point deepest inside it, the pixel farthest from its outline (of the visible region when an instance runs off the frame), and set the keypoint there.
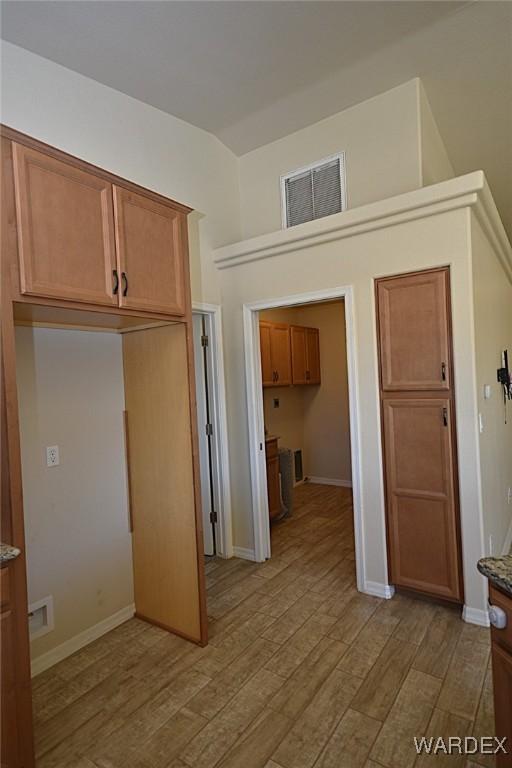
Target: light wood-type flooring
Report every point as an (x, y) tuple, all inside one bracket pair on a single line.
[(301, 670)]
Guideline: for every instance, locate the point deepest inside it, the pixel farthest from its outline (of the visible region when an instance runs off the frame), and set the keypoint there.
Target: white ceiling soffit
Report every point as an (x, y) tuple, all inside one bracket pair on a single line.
[(251, 72)]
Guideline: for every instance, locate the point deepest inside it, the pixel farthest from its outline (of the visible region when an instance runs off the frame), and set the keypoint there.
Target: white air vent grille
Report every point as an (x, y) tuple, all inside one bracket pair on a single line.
[(314, 192)]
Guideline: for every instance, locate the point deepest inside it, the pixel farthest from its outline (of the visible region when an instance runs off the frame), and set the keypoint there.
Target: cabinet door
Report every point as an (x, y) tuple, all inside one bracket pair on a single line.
[(267, 371), (151, 245), (421, 506), (313, 356), (298, 348), (502, 683), (65, 229), (414, 331), (280, 352)]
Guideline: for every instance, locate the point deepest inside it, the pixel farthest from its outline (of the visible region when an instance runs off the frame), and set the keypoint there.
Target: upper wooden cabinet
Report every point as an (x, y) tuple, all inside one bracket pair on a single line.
[(84, 237), (65, 229), (414, 331), (305, 347), (275, 354), (149, 238)]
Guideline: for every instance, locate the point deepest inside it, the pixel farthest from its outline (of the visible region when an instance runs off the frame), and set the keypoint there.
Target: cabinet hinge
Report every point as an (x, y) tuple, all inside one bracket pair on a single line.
[(213, 517), (204, 341), (209, 429)]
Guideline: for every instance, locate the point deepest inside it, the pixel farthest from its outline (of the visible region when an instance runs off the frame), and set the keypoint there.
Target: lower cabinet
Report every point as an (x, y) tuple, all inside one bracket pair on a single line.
[(273, 485), (502, 675)]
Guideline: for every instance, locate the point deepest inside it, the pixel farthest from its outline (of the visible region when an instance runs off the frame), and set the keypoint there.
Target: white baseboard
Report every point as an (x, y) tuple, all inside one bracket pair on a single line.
[(508, 541), (244, 554), (62, 651), (475, 616), (329, 481), (377, 589)]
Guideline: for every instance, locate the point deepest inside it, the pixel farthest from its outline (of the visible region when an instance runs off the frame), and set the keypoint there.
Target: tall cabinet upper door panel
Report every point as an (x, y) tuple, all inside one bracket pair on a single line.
[(151, 247), (421, 504), (413, 328), (65, 229)]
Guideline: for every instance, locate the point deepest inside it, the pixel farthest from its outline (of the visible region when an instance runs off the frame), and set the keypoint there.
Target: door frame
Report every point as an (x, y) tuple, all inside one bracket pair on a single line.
[(224, 531), (256, 424)]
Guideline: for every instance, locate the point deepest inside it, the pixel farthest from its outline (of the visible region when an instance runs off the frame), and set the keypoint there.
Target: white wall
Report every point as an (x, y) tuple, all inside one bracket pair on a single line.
[(129, 138), (436, 165), (379, 136), (435, 240), (71, 394), (492, 291)]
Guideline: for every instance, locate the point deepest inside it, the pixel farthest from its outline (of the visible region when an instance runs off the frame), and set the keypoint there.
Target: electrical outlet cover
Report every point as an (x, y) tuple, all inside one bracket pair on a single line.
[(52, 456)]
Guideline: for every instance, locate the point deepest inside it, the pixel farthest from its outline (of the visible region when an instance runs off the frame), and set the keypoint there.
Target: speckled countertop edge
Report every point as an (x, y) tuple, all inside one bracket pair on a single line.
[(498, 570), (8, 553)]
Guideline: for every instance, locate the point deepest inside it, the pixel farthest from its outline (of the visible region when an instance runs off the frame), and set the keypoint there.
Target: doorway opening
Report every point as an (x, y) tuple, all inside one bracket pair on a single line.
[(212, 430), (303, 358)]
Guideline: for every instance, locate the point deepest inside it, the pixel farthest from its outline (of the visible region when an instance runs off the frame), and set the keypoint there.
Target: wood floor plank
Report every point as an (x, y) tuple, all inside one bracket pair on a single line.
[(298, 690), (462, 686), (306, 739), (221, 733), (443, 725), (356, 614), (409, 717), (351, 742), (254, 749), (378, 692), (438, 644)]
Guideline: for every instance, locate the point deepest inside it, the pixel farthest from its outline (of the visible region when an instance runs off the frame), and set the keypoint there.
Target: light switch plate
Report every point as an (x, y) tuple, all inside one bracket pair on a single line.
[(52, 456)]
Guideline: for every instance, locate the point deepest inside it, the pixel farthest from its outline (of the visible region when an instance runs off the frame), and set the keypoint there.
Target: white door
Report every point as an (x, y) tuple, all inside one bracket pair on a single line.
[(205, 429)]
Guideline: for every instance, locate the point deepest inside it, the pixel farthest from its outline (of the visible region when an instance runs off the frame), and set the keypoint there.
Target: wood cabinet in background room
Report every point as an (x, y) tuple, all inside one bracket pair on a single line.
[(290, 354), (419, 433), (305, 352), (83, 238), (273, 483), (276, 366)]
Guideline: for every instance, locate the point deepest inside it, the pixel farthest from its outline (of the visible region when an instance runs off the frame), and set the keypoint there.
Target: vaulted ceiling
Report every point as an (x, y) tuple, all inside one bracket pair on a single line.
[(251, 72)]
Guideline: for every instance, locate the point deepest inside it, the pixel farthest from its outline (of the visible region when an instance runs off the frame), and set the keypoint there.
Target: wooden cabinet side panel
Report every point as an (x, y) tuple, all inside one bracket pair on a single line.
[(15, 657), (166, 575), (502, 684)]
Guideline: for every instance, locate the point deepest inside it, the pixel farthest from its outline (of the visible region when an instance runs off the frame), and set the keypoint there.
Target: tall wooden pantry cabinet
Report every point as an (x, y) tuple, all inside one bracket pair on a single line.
[(85, 249), (419, 436)]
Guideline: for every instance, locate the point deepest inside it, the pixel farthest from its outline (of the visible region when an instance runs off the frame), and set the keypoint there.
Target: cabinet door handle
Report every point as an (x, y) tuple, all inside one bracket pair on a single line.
[(445, 417), (443, 371), (115, 289), (125, 283), (277, 375)]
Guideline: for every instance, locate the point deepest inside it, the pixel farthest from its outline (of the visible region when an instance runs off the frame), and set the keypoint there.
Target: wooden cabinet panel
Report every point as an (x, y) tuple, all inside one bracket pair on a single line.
[(280, 348), (313, 356), (267, 372), (167, 568), (9, 747), (151, 250), (65, 229), (414, 331), (273, 486), (298, 350), (275, 354), (421, 502), (502, 683)]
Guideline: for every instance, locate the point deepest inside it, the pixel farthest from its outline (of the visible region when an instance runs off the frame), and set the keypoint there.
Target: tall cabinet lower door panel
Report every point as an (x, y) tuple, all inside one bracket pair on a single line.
[(420, 495)]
